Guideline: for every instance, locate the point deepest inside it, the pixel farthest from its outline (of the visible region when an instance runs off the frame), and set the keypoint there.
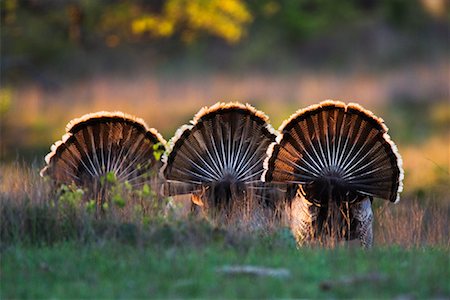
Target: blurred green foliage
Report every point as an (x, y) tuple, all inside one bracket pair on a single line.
[(41, 33), (221, 18), (5, 100)]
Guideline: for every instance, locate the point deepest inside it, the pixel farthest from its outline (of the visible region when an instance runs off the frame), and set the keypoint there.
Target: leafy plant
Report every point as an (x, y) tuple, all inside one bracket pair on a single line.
[(158, 151), (70, 196)]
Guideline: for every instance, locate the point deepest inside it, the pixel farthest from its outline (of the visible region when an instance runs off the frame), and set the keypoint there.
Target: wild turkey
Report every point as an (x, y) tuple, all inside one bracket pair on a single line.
[(219, 159), (340, 156), (103, 143)]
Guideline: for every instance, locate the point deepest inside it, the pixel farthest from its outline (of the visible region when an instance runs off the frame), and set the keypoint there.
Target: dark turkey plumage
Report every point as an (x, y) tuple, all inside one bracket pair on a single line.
[(219, 158), (340, 156), (103, 143)]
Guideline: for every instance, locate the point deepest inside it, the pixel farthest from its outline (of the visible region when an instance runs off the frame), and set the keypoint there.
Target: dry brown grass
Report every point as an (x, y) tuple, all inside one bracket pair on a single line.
[(32, 211), (413, 223), (427, 165), (37, 116)]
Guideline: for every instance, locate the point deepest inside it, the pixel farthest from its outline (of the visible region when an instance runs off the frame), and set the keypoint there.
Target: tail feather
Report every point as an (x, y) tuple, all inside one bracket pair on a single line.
[(336, 150), (101, 143), (222, 149)]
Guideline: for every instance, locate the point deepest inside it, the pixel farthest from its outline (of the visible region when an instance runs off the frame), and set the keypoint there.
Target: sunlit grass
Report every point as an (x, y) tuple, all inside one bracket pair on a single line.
[(427, 166), (65, 251), (140, 247), (35, 116), (34, 211), (54, 245)]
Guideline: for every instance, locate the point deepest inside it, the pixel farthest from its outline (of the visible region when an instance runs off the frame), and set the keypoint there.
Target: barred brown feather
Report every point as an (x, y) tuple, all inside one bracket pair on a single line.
[(336, 151), (219, 156), (101, 143), (340, 156)]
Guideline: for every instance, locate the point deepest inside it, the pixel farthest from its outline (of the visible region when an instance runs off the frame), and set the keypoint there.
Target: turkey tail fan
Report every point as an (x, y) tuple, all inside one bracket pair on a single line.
[(98, 144), (336, 151), (219, 155)]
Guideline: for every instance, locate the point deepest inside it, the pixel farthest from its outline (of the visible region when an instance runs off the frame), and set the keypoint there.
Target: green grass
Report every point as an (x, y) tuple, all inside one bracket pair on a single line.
[(53, 246), (120, 270)]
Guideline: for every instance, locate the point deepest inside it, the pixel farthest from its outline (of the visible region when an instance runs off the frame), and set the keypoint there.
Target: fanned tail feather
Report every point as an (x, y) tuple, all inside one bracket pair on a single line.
[(101, 143), (221, 153), (336, 151)]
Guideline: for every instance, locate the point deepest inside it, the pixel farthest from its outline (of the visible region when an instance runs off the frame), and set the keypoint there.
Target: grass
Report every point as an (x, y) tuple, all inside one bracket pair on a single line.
[(118, 270), (52, 245), (33, 117)]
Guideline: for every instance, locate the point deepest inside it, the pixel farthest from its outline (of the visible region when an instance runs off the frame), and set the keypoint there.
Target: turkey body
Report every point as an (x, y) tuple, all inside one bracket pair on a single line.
[(329, 160), (331, 222), (340, 157), (219, 159), (104, 144)]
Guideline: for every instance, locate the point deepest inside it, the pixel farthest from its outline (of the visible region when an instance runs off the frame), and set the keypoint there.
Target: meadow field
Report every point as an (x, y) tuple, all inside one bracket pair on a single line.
[(54, 245), (164, 60)]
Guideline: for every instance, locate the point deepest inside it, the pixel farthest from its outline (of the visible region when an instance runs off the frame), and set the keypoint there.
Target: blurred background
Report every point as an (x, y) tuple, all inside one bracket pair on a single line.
[(163, 60)]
